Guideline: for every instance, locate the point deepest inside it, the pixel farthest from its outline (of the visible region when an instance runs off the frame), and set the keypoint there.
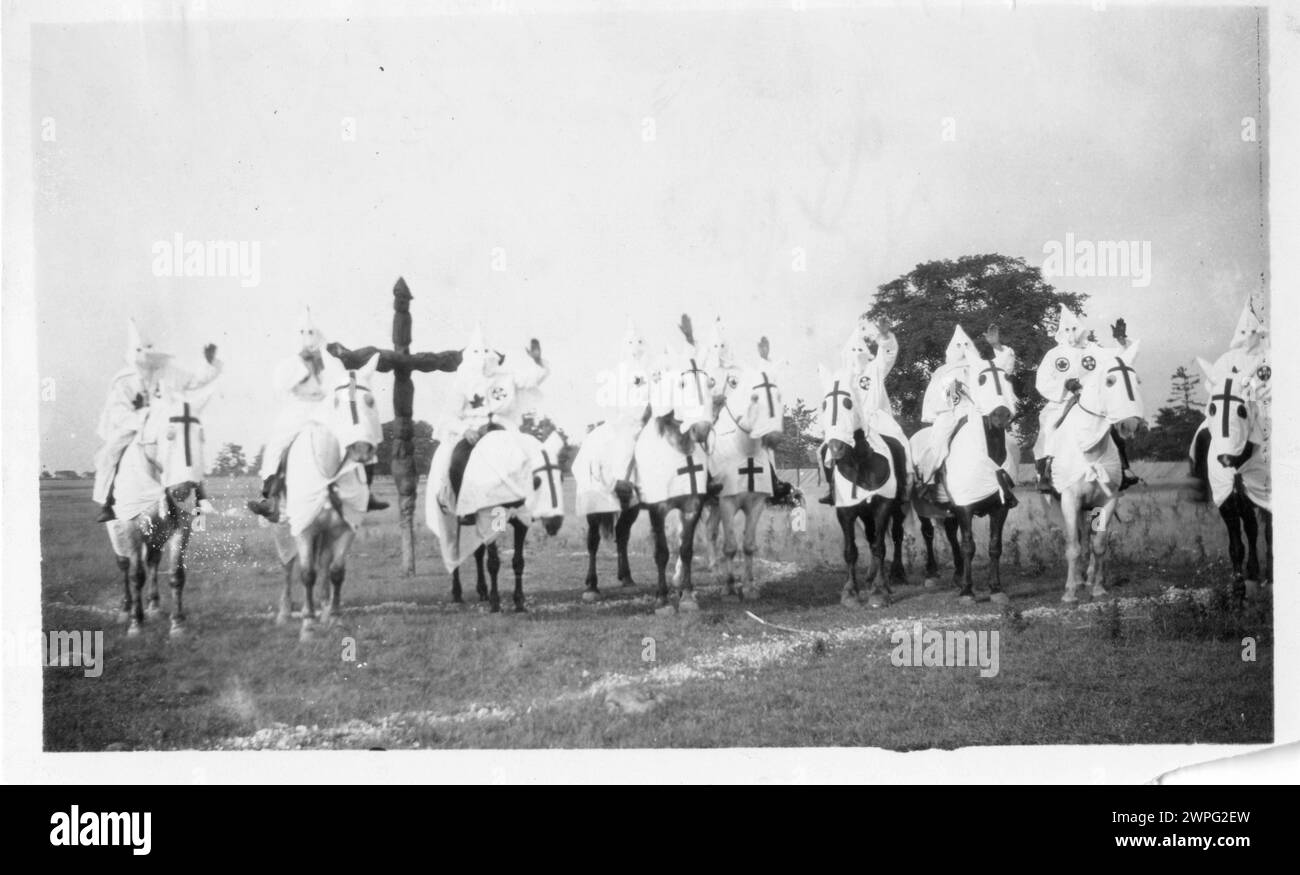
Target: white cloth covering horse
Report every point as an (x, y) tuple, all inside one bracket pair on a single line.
[(158, 472), (1087, 470), (742, 466), (326, 492)]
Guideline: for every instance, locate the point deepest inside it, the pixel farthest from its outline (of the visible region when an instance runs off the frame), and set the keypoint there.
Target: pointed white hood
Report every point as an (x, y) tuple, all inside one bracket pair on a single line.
[(1069, 332), (632, 348), (1250, 329), (141, 353), (309, 337), (857, 352), (960, 349), (478, 357)]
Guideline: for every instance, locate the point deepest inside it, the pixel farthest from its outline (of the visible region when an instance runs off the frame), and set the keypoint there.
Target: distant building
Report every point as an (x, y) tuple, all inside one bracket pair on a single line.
[(66, 475)]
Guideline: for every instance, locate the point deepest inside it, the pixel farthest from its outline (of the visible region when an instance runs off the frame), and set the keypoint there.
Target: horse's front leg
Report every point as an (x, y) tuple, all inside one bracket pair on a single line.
[(286, 596), (153, 561), (1100, 537), (1070, 514), (714, 515), (622, 533), (307, 558), (848, 520), (952, 531), (494, 569), (455, 587), (1250, 523), (338, 557), (931, 564), (592, 593), (480, 582), (124, 566), (517, 564), (966, 521), (176, 548), (726, 515), (1267, 517), (663, 606), (691, 508), (881, 514), (897, 573), (136, 608), (753, 514), (997, 519)]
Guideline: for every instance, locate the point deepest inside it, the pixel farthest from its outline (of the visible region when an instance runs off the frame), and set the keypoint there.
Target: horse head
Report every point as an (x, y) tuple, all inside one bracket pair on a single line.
[(693, 407), (992, 392), (839, 416), (1230, 417), (755, 404), (352, 414), (548, 484), (1115, 390)]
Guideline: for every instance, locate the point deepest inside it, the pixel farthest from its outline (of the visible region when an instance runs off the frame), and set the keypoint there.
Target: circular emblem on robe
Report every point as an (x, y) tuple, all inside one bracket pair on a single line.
[(498, 393), (1264, 373), (1089, 363), (732, 382), (864, 383), (1062, 364)]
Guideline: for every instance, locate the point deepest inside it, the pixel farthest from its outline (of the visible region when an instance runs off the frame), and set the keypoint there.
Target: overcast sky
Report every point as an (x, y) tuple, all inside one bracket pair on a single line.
[(624, 164)]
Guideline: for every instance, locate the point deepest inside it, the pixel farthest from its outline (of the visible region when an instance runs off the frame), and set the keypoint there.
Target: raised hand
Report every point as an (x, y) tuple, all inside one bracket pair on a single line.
[(210, 352), (992, 335), (763, 348), (687, 329), (1120, 331), (535, 351)]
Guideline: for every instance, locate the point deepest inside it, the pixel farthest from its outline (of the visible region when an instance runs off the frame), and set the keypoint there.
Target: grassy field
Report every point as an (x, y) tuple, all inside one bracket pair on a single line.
[(1147, 665)]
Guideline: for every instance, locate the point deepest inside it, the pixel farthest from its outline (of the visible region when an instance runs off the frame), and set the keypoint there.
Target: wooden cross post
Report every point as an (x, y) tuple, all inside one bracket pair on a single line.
[(401, 362)]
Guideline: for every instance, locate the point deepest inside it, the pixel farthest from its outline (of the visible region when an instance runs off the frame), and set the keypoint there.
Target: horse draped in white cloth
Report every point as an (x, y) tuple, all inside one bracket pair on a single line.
[(510, 479), (1231, 451), (159, 470), (972, 468), (870, 467), (326, 493), (1087, 469), (742, 470)]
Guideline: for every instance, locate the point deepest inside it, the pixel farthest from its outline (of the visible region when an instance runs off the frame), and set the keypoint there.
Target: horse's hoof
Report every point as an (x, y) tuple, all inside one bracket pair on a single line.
[(1069, 598), (667, 610), (849, 600), (591, 595), (1100, 592), (966, 598), (1000, 598), (520, 609), (178, 629), (687, 603), (878, 601), (152, 609), (931, 583), (494, 609), (627, 581), (133, 630)]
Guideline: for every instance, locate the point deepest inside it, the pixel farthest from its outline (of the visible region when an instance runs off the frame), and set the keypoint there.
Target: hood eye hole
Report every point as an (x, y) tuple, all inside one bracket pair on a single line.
[(1110, 381), (983, 379), (1213, 409), (1241, 411)]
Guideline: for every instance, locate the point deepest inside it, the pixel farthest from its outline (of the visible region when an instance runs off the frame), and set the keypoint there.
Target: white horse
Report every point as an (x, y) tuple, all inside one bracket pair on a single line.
[(1231, 451), (326, 493), (511, 478), (742, 470), (1086, 470), (870, 477), (157, 475), (975, 462)]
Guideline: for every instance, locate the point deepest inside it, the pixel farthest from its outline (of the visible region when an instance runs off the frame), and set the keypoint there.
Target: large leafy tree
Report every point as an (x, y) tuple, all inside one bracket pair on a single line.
[(798, 442), (924, 305)]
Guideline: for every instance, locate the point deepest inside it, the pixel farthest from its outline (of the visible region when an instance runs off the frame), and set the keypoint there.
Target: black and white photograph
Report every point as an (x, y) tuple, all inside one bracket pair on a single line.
[(824, 390)]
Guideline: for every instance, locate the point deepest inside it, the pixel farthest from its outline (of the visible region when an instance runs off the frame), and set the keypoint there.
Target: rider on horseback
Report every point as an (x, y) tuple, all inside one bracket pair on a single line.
[(487, 396), (869, 356), (149, 373), (1059, 381), (301, 382)]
